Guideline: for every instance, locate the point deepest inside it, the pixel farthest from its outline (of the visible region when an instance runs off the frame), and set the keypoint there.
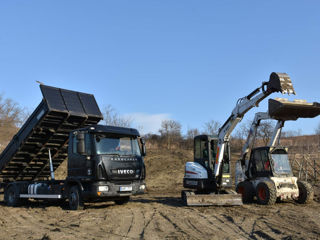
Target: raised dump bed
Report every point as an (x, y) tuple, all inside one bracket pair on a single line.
[(27, 155)]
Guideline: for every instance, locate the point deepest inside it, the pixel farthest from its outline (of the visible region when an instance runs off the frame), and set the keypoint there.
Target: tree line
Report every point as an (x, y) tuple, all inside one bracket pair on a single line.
[(169, 135)]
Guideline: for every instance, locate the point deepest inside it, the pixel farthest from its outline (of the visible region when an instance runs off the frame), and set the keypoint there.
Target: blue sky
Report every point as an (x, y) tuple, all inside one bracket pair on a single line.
[(153, 60)]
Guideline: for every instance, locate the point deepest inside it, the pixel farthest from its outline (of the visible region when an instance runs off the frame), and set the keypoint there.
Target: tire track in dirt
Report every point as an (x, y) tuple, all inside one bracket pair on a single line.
[(154, 217), (147, 224)]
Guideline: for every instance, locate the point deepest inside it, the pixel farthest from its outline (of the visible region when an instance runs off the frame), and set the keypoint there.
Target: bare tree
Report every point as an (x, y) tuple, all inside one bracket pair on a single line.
[(11, 119), (170, 130), (318, 129), (240, 135), (265, 131), (292, 133), (112, 118), (192, 132), (211, 127)]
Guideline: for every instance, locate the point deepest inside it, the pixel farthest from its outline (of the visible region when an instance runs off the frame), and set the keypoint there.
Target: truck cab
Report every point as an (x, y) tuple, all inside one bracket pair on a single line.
[(106, 162)]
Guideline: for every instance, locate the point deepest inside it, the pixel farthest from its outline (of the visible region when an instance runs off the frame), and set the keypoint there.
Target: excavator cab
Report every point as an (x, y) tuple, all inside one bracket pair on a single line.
[(205, 148), (205, 151)]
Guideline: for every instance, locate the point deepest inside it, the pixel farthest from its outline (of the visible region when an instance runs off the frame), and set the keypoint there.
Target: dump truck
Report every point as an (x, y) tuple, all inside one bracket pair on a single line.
[(208, 178), (104, 163), (265, 172)]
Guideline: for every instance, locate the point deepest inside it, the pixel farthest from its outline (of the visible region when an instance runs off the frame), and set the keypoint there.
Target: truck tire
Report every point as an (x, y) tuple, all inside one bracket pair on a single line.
[(266, 193), (305, 192), (11, 196), (75, 198), (246, 189), (122, 200)]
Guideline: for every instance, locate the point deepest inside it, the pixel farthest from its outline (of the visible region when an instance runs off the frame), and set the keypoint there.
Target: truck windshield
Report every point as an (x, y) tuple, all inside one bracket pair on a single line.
[(117, 145), (281, 164)]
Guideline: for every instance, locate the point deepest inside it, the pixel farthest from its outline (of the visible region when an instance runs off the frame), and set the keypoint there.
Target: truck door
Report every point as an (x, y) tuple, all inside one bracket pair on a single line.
[(78, 163)]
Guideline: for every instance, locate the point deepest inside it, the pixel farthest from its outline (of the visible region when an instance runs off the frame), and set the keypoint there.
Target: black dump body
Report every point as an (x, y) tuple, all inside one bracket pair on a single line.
[(61, 111)]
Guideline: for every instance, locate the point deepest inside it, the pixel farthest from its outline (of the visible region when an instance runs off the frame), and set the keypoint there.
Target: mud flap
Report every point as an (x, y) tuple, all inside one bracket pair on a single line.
[(213, 199), (282, 109)]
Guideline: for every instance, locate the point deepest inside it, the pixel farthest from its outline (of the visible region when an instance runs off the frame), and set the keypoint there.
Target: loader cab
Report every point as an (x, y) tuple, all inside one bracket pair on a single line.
[(268, 162)]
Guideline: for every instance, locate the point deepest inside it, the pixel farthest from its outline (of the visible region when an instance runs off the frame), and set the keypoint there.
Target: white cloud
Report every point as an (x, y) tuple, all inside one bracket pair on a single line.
[(147, 123)]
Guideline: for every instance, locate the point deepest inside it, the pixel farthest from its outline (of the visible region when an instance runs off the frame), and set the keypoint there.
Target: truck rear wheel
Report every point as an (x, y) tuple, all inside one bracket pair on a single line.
[(11, 196), (75, 198), (122, 200), (246, 190), (305, 192), (266, 193)]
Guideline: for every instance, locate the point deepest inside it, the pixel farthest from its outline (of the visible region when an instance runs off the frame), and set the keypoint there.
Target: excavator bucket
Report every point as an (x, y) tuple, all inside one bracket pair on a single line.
[(283, 109), (280, 82), (228, 199)]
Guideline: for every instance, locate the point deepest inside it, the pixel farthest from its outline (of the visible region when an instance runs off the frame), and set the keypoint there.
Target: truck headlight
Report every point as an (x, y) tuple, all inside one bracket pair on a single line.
[(103, 188), (142, 187)]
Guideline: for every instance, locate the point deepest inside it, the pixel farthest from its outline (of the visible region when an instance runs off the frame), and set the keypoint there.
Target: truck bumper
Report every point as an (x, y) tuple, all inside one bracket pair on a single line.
[(105, 190)]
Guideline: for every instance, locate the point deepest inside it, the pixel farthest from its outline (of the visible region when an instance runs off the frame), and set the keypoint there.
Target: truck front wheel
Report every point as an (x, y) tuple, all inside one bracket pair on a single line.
[(11, 196), (75, 198)]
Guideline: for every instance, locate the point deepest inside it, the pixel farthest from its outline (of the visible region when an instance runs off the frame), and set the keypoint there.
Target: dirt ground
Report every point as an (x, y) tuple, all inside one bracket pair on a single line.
[(159, 214)]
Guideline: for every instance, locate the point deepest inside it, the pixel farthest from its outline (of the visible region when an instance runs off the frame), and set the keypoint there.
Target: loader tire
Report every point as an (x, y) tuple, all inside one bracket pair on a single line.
[(266, 193), (11, 196), (246, 190), (305, 192)]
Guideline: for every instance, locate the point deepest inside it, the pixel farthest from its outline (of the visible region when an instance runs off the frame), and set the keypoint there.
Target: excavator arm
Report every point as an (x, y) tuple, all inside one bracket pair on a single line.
[(278, 82)]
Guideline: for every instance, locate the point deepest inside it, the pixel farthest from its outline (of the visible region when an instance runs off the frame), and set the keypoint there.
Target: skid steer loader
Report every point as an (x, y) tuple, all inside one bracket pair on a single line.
[(267, 173), (208, 178)]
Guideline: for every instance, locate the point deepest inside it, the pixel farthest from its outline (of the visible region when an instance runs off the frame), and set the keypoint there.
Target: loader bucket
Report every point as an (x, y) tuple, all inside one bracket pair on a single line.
[(228, 199), (282, 109), (280, 82)]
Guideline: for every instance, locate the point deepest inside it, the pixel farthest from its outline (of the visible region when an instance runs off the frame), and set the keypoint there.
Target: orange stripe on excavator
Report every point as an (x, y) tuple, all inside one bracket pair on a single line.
[(217, 156)]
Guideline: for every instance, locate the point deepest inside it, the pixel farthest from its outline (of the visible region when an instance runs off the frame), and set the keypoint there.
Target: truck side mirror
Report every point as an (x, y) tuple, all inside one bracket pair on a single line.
[(81, 149), (143, 146)]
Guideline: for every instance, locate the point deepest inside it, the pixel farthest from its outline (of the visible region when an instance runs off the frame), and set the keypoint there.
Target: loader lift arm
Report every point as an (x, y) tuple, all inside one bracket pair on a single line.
[(267, 172), (278, 82), (282, 110)]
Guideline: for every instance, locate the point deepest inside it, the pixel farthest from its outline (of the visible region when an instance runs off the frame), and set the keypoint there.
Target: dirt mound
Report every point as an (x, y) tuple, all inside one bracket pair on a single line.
[(165, 169)]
